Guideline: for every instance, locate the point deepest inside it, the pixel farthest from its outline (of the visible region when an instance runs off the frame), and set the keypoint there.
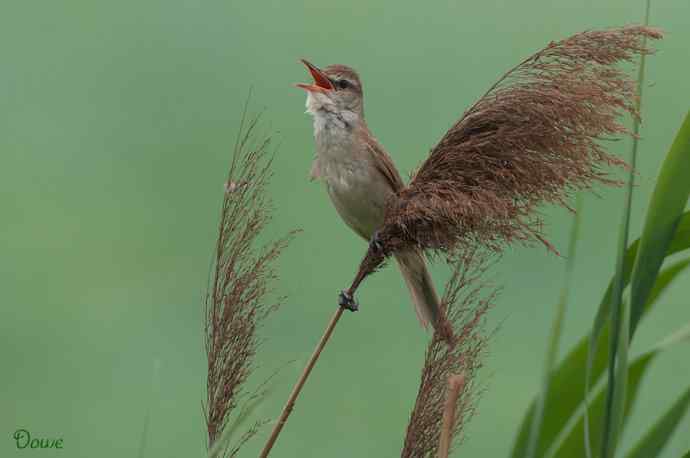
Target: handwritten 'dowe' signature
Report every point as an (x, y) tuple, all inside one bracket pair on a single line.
[(24, 440)]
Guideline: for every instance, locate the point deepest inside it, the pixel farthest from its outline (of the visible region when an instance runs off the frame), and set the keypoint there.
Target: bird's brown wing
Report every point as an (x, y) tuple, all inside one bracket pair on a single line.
[(533, 137), (384, 164)]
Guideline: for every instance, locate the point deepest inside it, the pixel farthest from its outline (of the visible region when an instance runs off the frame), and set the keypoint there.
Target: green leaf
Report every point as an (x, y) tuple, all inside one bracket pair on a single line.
[(616, 409), (657, 437), (567, 384), (618, 352), (653, 247), (680, 242), (563, 398), (666, 277), (556, 331), (569, 442), (620, 312), (665, 208)]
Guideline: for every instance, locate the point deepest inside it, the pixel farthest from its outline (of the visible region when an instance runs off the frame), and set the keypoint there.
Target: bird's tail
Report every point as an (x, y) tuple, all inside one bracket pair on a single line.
[(426, 301)]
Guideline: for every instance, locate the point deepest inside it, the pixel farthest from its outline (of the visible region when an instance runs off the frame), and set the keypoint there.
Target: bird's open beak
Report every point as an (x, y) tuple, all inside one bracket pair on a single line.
[(321, 82)]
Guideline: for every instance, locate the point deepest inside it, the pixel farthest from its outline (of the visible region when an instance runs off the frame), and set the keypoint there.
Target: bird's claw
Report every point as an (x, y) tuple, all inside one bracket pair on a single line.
[(376, 244), (346, 301)]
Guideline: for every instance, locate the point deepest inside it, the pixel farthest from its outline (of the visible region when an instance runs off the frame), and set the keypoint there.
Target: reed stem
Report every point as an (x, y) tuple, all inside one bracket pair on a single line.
[(456, 383), (290, 404)]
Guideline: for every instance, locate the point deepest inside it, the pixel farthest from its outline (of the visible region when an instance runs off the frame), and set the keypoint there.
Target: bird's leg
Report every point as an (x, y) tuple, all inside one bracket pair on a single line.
[(347, 301), (374, 257)]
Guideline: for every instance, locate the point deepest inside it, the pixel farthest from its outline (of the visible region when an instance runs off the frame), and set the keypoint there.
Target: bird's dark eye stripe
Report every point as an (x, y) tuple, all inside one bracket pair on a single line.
[(342, 84)]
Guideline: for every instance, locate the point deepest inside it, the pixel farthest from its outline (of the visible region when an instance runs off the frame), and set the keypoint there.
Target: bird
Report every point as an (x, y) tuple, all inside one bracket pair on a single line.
[(533, 138), (360, 176)]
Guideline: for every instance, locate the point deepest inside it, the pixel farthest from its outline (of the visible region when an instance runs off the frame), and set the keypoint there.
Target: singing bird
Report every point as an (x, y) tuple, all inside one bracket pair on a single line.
[(360, 176), (533, 138)]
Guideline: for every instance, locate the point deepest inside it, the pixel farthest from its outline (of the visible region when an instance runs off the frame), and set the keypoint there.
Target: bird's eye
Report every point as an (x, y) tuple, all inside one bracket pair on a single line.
[(342, 84)]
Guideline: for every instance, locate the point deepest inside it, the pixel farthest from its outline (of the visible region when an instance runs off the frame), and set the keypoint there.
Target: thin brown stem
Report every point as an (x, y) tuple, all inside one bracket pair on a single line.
[(290, 404), (456, 383)]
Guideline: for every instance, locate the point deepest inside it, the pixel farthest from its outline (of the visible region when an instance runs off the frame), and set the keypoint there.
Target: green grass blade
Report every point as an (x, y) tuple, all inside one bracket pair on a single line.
[(569, 442), (655, 242), (567, 384), (679, 243), (620, 312), (618, 352), (682, 335), (665, 208), (618, 410), (555, 337), (657, 437), (563, 399), (666, 277)]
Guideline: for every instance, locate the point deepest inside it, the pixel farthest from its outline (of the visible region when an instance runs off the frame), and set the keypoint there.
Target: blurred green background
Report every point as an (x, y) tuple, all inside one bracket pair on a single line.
[(116, 127)]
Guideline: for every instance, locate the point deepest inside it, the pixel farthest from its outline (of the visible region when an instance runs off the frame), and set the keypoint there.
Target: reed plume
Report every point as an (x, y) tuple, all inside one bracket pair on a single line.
[(466, 300), (239, 295), (533, 138)]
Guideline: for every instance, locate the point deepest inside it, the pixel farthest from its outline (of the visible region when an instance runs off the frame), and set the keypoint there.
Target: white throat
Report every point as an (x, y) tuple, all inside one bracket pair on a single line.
[(328, 117), (334, 130)]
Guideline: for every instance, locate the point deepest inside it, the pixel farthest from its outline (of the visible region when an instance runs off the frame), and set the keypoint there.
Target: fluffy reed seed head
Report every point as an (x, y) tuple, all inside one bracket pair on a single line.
[(466, 300), (534, 137), (239, 295)]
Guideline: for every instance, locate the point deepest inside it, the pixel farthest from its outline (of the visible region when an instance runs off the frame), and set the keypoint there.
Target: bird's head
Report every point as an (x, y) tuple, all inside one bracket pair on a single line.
[(336, 89)]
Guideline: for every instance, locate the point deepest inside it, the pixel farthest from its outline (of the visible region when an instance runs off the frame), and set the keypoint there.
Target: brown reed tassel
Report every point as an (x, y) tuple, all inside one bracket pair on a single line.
[(466, 301), (533, 138), (238, 299)]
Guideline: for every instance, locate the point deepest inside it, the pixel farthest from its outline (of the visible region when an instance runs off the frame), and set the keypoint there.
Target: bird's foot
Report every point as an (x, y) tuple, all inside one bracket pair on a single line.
[(376, 244), (346, 301)]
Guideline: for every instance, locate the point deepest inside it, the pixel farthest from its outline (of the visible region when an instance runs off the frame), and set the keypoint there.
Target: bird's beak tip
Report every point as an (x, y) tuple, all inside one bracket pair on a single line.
[(321, 81)]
